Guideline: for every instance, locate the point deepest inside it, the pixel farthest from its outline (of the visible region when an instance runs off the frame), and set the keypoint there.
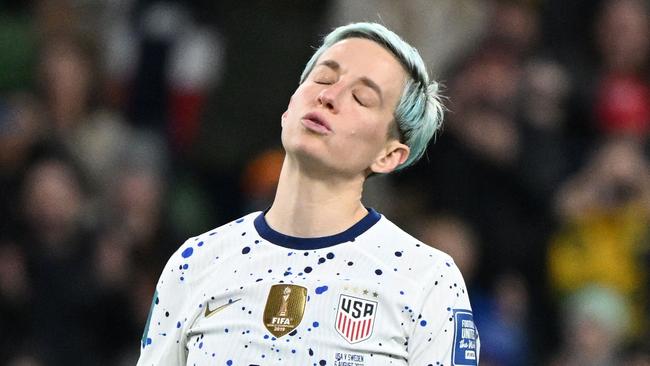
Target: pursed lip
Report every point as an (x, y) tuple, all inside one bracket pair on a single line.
[(317, 119)]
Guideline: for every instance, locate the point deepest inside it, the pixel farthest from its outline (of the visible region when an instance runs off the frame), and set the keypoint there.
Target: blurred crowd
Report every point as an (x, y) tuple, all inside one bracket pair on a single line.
[(127, 126)]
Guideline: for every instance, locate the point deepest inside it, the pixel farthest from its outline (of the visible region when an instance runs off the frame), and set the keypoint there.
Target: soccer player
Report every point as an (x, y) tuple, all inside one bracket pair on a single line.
[(319, 279)]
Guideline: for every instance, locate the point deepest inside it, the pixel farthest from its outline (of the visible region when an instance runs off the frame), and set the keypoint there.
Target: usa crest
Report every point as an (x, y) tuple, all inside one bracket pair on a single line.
[(284, 309), (355, 318)]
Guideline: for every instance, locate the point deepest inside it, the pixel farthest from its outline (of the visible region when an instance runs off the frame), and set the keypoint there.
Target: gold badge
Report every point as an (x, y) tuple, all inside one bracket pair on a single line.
[(284, 308)]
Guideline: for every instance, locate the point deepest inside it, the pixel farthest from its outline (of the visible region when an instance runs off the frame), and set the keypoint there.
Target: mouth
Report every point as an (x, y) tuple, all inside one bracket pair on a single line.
[(316, 123)]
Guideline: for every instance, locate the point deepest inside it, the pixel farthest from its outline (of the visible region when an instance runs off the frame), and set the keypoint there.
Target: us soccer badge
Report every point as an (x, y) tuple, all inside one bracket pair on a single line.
[(355, 318), (284, 309)]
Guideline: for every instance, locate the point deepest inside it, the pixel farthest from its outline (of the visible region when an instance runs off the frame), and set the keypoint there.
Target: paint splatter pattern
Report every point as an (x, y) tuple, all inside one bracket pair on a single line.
[(210, 301)]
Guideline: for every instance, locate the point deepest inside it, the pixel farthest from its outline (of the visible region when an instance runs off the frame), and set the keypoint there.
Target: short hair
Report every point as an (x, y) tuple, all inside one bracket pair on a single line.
[(419, 112)]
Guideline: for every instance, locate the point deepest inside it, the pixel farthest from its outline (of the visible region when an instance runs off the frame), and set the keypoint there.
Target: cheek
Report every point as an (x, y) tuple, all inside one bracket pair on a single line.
[(371, 130), (366, 139)]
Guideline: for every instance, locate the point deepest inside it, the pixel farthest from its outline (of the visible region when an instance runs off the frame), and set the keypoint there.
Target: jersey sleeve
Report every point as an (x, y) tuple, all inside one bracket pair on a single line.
[(163, 340), (444, 333)]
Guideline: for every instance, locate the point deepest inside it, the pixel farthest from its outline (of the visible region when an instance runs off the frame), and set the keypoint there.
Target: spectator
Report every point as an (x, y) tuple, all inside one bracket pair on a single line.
[(604, 237)]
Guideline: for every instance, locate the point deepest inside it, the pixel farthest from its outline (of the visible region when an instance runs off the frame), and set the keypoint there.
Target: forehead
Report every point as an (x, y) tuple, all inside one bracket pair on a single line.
[(360, 57)]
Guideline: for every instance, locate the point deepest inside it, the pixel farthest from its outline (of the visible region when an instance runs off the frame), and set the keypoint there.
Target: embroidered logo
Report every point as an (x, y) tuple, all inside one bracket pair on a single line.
[(465, 350), (284, 309), (209, 313), (355, 318)]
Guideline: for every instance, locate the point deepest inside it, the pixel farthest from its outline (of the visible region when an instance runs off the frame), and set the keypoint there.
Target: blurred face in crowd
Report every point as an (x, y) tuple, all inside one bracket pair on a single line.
[(52, 200), (623, 171), (66, 72), (339, 117), (515, 24), (139, 201), (454, 237), (623, 32)]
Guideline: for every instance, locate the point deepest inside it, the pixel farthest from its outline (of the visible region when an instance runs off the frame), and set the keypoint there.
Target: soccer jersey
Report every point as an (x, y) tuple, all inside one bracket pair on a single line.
[(245, 294)]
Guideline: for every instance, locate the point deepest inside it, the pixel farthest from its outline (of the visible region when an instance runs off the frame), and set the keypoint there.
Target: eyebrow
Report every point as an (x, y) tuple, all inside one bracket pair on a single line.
[(364, 79)]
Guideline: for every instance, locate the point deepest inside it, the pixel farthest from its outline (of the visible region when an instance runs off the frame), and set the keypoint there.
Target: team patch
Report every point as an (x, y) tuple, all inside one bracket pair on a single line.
[(465, 339), (355, 318), (284, 309)]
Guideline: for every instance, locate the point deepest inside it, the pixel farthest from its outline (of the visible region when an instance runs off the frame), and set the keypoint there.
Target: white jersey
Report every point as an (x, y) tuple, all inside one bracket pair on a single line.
[(244, 294)]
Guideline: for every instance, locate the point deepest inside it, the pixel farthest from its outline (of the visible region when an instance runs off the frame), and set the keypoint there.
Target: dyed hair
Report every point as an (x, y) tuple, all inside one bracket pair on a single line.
[(420, 111)]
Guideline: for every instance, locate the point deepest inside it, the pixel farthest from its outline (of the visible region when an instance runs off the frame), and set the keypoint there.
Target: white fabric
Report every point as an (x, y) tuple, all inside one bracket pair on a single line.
[(418, 292)]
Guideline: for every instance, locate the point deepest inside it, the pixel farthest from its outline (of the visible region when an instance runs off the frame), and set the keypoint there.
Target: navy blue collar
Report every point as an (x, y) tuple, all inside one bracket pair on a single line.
[(293, 242)]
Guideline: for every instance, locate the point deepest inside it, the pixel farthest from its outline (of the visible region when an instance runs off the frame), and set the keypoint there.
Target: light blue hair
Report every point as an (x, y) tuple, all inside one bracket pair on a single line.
[(419, 112)]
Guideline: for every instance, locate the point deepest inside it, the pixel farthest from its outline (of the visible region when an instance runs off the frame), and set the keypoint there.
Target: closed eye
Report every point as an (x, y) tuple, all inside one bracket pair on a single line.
[(358, 100)]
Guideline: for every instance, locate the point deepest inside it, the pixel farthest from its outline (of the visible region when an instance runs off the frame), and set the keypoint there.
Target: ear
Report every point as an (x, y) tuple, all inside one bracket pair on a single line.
[(393, 155)]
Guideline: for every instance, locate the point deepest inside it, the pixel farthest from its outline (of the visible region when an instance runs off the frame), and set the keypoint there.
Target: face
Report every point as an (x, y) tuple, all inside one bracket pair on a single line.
[(338, 119), (623, 35)]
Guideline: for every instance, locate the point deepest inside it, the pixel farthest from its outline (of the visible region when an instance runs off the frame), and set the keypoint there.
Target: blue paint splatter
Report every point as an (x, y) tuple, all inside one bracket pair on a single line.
[(186, 266), (178, 325), (330, 255), (200, 345), (187, 252), (448, 265), (246, 250), (423, 323), (239, 221), (315, 324), (307, 269), (398, 254), (378, 272), (320, 290), (200, 244), (229, 362)]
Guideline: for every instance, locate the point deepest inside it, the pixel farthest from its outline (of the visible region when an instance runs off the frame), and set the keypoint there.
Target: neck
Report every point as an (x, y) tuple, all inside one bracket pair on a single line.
[(314, 205)]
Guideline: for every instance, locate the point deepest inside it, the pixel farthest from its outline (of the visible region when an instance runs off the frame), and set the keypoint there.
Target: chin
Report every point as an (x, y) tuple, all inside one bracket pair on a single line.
[(303, 145)]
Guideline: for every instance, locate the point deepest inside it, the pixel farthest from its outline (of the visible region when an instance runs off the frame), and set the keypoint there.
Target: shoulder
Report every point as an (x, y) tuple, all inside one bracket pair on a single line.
[(198, 252), (426, 267), (243, 222), (395, 236)]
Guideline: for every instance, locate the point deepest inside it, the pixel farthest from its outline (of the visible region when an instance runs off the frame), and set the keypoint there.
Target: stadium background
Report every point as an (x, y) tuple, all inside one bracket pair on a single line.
[(127, 126)]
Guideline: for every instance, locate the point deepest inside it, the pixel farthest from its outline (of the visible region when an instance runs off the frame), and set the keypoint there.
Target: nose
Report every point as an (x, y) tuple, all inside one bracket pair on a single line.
[(328, 98)]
